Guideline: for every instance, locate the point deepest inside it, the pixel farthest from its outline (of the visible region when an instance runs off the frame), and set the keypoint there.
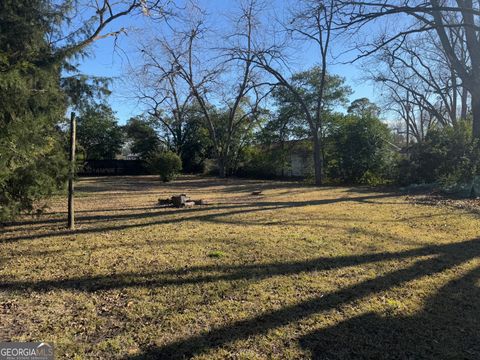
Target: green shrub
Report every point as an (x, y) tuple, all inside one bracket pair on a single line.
[(372, 179), (260, 163), (166, 164), (358, 151), (24, 190), (448, 157)]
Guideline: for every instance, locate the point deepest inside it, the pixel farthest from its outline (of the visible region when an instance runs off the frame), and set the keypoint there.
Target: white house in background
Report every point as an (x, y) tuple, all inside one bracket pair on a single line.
[(298, 159), (126, 153), (301, 164)]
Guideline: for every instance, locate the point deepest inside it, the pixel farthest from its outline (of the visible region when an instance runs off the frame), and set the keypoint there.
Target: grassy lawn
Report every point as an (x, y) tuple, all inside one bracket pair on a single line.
[(298, 272)]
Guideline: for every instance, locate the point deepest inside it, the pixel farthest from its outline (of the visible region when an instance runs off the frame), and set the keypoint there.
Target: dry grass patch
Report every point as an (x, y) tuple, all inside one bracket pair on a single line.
[(295, 273)]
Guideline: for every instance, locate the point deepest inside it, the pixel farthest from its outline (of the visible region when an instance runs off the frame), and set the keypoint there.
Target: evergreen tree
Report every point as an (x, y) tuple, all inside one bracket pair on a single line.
[(32, 104), (98, 133), (143, 139), (359, 149)]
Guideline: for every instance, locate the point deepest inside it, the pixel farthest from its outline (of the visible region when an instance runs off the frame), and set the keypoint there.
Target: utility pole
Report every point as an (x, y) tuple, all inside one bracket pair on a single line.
[(71, 174)]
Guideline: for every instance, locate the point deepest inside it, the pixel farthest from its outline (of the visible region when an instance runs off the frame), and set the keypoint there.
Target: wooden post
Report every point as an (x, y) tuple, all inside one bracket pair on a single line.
[(71, 175)]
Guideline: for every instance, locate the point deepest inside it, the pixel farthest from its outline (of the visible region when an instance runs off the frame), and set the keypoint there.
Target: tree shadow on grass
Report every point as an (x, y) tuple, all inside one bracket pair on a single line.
[(135, 184), (185, 182), (212, 273), (196, 214), (370, 336), (40, 220), (447, 327)]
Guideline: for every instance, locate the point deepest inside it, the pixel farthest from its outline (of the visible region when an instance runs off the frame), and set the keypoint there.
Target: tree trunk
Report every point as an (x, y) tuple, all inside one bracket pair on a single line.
[(317, 160), (222, 169), (476, 113), (463, 114)]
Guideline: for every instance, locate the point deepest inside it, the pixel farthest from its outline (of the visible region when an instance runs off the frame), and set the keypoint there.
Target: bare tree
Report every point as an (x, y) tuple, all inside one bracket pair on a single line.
[(412, 110), (79, 23), (455, 23), (165, 96), (310, 21), (243, 105), (418, 84), (217, 80)]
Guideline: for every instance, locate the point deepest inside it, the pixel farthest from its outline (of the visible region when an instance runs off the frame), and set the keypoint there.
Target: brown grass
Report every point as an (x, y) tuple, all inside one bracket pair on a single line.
[(299, 272)]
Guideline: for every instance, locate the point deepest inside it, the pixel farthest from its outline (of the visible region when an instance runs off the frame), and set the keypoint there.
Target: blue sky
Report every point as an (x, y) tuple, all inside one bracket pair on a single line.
[(107, 60)]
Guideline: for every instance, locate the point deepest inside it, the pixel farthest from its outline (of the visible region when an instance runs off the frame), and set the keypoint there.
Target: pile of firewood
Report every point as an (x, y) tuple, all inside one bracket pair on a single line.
[(180, 201)]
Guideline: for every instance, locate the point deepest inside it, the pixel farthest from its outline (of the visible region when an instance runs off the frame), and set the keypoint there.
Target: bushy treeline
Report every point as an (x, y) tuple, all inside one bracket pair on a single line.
[(364, 150), (358, 149), (448, 157), (101, 137)]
